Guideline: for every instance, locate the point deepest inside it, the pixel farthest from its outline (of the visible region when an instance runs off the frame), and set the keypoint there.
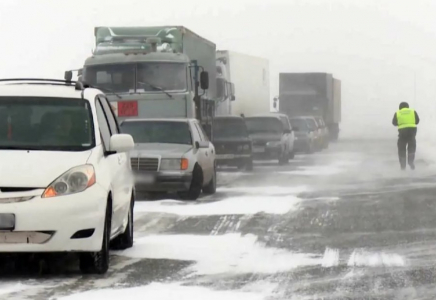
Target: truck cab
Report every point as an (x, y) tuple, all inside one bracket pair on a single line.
[(150, 72)]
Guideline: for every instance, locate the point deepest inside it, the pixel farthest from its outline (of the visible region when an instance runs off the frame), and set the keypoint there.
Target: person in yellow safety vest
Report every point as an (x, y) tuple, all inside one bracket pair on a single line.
[(406, 119)]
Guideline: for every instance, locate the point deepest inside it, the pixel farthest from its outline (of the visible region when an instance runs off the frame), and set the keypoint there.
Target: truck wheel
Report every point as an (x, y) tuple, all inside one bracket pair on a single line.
[(196, 185), (98, 262), (210, 188)]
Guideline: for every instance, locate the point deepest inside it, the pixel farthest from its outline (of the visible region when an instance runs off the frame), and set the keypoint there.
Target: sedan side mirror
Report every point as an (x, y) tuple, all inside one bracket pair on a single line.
[(121, 143), (201, 144)]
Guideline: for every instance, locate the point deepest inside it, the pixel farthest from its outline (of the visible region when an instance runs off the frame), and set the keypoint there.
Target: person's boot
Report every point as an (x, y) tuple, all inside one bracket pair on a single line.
[(411, 160), (403, 163)]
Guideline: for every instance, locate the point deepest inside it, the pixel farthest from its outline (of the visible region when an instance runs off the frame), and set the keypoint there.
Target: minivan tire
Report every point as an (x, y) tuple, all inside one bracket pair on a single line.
[(98, 262), (125, 240)]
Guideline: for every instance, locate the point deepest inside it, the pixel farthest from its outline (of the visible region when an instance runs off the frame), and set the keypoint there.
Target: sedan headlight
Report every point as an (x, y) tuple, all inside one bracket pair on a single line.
[(73, 181), (174, 164)]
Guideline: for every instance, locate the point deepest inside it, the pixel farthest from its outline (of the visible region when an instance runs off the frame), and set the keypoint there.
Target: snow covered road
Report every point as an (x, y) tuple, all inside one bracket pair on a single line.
[(341, 224)]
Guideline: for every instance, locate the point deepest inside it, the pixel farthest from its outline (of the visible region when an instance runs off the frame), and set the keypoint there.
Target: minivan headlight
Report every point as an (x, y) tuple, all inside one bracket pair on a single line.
[(73, 181)]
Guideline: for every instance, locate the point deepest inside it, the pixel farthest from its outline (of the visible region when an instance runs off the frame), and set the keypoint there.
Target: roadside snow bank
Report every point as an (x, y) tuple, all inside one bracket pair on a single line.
[(370, 259), (244, 205), (225, 254), (265, 190), (160, 291), (8, 288)]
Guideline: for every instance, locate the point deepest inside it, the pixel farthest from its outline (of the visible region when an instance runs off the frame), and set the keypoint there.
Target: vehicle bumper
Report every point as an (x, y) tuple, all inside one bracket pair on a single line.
[(268, 152), (164, 181), (231, 159), (301, 144), (48, 225)]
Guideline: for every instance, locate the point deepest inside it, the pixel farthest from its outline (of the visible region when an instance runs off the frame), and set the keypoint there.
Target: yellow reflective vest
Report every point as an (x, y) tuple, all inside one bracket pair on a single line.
[(406, 118)]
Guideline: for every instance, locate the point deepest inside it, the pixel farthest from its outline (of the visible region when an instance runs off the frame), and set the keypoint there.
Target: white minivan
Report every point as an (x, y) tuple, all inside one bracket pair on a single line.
[(66, 183)]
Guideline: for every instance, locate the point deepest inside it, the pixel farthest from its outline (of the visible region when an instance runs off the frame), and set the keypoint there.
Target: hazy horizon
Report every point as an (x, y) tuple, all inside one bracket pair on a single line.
[(376, 48)]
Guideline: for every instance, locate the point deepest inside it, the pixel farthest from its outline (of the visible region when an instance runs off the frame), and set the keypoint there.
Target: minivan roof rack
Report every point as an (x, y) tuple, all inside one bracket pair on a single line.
[(78, 85)]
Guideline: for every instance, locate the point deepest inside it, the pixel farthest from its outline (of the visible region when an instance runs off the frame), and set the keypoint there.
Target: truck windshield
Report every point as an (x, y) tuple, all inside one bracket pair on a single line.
[(299, 124), (226, 127), (45, 123), (119, 78), (164, 132), (264, 125), (166, 76), (151, 77)]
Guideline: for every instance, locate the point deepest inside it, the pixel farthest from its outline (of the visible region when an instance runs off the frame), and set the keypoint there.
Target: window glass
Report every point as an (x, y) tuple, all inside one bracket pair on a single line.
[(164, 132), (46, 123), (113, 123), (103, 125), (115, 77)]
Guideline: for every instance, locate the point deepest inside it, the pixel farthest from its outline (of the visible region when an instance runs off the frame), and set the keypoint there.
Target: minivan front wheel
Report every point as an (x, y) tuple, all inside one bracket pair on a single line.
[(98, 262), (125, 240)]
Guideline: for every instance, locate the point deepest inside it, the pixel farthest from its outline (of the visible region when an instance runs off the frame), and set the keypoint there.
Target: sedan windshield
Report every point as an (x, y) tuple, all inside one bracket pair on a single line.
[(45, 123), (299, 124), (165, 132), (264, 125), (223, 128), (312, 124)]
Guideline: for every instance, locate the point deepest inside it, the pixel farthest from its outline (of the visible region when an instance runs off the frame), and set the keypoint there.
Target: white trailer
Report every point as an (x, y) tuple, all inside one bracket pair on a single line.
[(246, 78)]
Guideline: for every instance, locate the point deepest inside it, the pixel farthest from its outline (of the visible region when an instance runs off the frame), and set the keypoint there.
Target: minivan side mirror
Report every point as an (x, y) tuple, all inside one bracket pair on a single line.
[(204, 80), (121, 143)]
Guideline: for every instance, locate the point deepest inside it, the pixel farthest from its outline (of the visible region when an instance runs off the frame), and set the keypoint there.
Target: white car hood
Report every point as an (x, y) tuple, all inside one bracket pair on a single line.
[(155, 149), (36, 169)]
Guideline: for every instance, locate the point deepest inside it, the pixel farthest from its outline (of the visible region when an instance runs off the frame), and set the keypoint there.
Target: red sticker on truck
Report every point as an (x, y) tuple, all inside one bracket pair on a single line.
[(128, 108)]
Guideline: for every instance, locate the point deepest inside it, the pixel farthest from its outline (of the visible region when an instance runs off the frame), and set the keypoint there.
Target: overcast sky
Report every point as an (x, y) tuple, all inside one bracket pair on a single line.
[(377, 48)]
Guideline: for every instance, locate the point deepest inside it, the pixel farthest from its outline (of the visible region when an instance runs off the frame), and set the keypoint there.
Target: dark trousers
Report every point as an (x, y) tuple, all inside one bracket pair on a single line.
[(406, 146)]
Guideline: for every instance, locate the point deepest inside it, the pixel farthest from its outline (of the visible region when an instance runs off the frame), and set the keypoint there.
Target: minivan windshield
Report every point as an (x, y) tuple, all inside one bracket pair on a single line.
[(45, 123), (264, 125), (229, 128), (164, 132)]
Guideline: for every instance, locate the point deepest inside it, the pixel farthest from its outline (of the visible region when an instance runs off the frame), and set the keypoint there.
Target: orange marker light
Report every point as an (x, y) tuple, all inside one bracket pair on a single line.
[(91, 180), (184, 164), (50, 192)]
